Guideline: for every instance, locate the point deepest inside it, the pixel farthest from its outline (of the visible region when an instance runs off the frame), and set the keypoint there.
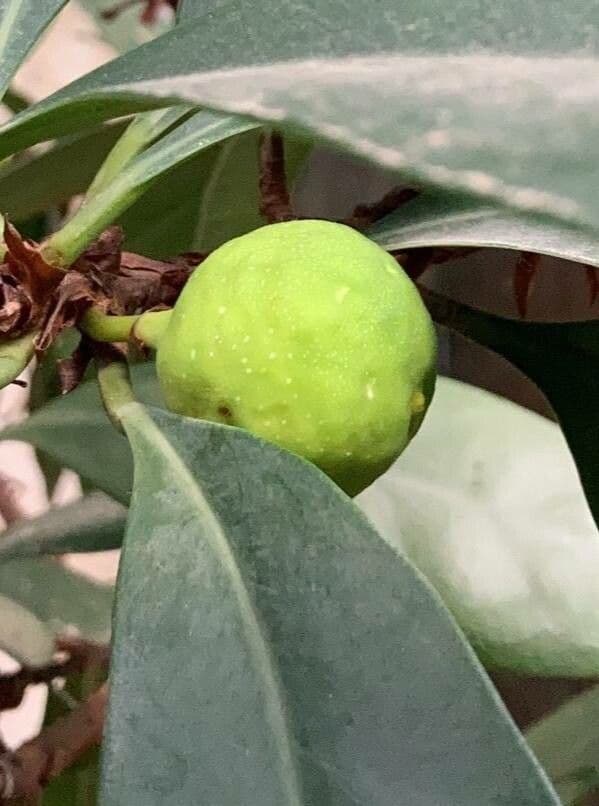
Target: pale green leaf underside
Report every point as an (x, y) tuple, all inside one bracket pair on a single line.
[(440, 219), (487, 503), (499, 101), (356, 684)]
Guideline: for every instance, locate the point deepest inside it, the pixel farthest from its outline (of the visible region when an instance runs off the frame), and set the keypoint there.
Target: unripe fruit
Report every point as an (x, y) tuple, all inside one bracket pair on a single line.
[(309, 335)]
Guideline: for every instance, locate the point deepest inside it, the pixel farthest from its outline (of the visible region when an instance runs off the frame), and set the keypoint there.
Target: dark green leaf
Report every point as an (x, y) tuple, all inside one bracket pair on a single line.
[(486, 502), (189, 8), (59, 599), (51, 178), (21, 24), (44, 383), (427, 88), (307, 663), (567, 743), (562, 359), (439, 219), (94, 523), (24, 636), (75, 431)]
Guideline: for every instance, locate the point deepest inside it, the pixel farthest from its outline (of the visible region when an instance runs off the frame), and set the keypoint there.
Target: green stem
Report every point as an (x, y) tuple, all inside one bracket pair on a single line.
[(103, 327), (14, 357), (141, 132), (146, 328), (201, 130), (116, 389), (150, 327), (111, 192)]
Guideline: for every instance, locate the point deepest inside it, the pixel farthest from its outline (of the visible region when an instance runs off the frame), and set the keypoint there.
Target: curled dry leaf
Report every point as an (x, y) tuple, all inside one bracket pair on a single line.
[(26, 280), (143, 283), (71, 298), (127, 283), (118, 282)]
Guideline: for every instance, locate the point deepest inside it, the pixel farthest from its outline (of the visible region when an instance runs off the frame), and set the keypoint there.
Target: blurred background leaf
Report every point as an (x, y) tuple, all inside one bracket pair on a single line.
[(567, 744), (21, 24), (92, 523)]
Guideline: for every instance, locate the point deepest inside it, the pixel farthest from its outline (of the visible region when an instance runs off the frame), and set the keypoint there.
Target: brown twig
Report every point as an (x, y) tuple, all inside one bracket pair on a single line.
[(364, 215), (592, 275), (275, 203), (149, 13), (24, 773), (10, 506), (445, 311), (524, 274), (416, 261), (82, 655)]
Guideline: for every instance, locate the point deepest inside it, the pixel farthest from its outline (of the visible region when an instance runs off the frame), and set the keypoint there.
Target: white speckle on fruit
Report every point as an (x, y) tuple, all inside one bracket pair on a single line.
[(271, 331), (283, 422), (272, 355), (289, 355), (288, 381), (248, 371), (211, 354), (348, 453), (238, 399), (369, 391), (222, 309), (233, 346), (246, 339), (342, 293), (244, 360), (193, 354)]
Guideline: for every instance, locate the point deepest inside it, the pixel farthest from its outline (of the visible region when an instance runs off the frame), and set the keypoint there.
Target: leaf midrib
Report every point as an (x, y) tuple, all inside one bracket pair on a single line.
[(137, 420)]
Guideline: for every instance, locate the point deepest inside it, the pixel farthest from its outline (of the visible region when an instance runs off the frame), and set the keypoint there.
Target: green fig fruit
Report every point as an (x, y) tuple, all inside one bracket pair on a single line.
[(309, 335)]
